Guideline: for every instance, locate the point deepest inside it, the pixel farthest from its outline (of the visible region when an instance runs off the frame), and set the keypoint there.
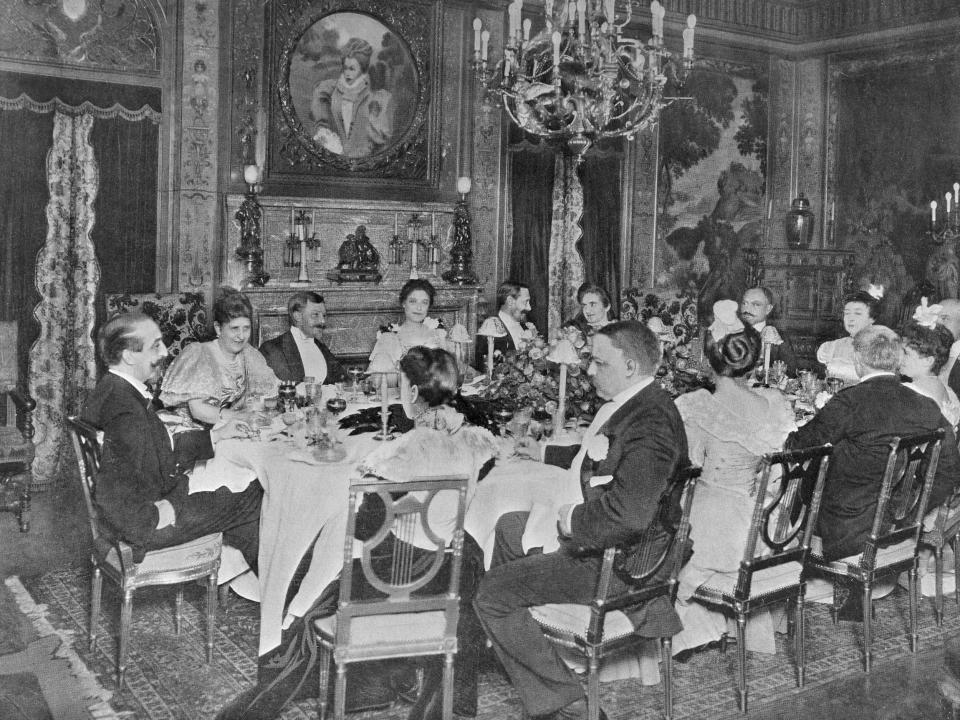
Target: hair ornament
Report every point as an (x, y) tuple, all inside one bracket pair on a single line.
[(927, 315), (875, 291), (725, 319)]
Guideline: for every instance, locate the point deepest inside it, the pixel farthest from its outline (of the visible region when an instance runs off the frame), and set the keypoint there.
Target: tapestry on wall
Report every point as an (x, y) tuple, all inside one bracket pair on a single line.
[(712, 182)]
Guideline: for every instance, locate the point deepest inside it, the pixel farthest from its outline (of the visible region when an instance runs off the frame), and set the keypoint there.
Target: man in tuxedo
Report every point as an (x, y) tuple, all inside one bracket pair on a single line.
[(860, 422), (950, 318), (629, 455), (755, 309), (299, 353), (513, 304), (142, 486)]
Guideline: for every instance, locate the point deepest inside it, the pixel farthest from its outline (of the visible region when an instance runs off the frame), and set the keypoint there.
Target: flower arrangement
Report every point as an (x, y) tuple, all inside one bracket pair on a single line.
[(524, 378)]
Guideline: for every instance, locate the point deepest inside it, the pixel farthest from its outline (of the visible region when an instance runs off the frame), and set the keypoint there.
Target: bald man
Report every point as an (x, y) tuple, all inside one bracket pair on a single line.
[(950, 317)]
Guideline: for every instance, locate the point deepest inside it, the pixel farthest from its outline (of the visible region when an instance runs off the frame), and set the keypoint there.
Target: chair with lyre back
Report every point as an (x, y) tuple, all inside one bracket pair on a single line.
[(194, 560), (603, 627), (893, 545), (394, 602), (778, 543)]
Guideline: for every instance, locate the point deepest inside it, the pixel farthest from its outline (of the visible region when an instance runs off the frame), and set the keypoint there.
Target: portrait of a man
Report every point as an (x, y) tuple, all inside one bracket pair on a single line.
[(353, 84)]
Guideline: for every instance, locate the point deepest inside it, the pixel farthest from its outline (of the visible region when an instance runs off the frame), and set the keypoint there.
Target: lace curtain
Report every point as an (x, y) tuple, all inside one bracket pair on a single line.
[(566, 262)]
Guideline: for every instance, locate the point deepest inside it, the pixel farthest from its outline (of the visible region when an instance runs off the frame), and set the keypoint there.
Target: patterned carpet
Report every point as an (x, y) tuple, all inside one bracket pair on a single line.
[(168, 678)]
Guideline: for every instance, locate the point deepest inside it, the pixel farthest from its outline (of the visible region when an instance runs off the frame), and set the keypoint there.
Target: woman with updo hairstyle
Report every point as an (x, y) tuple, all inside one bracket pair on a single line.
[(595, 308), (728, 432), (926, 347), (860, 310), (351, 117), (417, 327), (211, 381)]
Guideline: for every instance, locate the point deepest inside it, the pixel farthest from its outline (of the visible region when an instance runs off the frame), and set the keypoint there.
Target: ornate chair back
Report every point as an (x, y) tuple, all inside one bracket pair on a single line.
[(88, 445), (785, 513)]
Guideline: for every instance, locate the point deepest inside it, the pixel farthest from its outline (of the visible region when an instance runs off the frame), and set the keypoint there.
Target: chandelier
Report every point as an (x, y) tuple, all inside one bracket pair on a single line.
[(579, 79)]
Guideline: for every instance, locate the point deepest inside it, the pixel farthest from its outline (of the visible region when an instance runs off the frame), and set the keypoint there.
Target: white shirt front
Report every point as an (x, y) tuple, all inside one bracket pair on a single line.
[(516, 330), (314, 364)]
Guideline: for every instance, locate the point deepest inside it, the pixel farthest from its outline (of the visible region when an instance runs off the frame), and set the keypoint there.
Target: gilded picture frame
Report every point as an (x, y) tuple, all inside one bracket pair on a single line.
[(353, 90)]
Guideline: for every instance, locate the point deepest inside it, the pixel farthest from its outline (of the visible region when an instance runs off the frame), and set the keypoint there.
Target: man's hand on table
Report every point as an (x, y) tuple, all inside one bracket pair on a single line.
[(232, 428)]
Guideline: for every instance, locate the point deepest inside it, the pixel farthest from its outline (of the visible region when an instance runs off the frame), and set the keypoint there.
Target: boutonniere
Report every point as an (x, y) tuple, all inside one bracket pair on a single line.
[(431, 323), (597, 447)]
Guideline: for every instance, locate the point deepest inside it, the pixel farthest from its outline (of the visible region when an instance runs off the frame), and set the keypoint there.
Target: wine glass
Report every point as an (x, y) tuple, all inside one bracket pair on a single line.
[(356, 372), (337, 404)]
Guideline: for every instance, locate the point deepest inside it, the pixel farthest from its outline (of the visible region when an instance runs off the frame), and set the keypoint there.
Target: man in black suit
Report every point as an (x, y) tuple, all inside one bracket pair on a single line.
[(950, 318), (630, 453), (860, 421), (142, 486), (513, 304), (756, 307), (299, 353)]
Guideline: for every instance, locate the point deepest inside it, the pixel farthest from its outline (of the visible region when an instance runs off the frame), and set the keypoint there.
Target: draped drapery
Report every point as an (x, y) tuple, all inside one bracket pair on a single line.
[(62, 360), (566, 264), (602, 202)]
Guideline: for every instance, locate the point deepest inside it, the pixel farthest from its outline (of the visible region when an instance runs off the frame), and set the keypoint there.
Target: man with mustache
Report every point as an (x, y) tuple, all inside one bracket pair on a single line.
[(142, 487), (299, 353), (513, 305), (755, 310)]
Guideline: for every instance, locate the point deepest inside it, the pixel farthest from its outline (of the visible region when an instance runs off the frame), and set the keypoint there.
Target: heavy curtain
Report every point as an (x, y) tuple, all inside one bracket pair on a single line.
[(566, 262), (600, 177)]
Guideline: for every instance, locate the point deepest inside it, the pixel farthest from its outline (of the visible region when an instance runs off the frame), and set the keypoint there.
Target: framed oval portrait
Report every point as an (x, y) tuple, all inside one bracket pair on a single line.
[(352, 91)]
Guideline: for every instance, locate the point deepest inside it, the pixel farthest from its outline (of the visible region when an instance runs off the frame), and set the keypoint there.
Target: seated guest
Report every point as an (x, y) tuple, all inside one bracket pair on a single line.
[(299, 352), (513, 304), (142, 486), (595, 307), (950, 319), (211, 381), (441, 442), (417, 328), (860, 421), (729, 430), (926, 345), (756, 308), (632, 450), (860, 310)]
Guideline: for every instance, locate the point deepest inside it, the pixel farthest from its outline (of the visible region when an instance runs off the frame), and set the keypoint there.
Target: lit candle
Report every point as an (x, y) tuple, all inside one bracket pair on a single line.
[(511, 17), (556, 48), (484, 44), (477, 26), (688, 37), (956, 193), (933, 211), (948, 198)]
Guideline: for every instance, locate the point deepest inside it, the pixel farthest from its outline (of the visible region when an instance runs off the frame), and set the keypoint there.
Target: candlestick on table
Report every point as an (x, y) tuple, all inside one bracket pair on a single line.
[(491, 328)]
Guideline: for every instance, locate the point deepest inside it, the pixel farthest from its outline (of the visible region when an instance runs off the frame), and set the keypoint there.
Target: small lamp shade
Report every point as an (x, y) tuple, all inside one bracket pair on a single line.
[(251, 174), (799, 223), (463, 185)]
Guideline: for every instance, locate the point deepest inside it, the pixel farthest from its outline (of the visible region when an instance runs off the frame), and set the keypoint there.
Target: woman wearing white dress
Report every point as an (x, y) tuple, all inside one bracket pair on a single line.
[(926, 346), (728, 431), (417, 328), (860, 310)]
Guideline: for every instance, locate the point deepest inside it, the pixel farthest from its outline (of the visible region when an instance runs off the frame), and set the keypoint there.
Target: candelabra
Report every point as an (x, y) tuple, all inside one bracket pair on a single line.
[(415, 239), (580, 79), (249, 216), (948, 228), (461, 252), (299, 240)]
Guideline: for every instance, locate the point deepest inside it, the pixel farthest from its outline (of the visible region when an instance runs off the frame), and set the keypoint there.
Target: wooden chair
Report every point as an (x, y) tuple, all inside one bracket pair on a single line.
[(400, 621), (778, 543), (16, 432), (894, 542), (603, 627), (945, 531), (175, 565)]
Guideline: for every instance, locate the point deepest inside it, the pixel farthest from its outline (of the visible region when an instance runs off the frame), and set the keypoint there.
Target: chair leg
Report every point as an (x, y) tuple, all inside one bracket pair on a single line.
[(448, 688), (340, 692), (742, 658), (23, 507), (955, 544), (666, 659), (125, 611), (96, 585), (791, 617), (211, 613), (324, 682), (801, 659), (724, 641), (835, 606), (938, 602), (178, 610), (593, 686), (867, 626), (914, 599)]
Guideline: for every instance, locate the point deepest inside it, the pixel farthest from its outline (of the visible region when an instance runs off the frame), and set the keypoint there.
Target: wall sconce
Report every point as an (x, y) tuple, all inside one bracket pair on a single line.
[(249, 215), (301, 237), (799, 223), (461, 251)]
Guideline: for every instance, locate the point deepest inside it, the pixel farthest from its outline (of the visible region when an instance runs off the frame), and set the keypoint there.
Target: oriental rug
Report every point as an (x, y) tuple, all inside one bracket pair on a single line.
[(168, 678)]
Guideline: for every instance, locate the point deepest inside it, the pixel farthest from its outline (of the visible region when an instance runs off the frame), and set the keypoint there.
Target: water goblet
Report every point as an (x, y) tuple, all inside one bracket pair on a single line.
[(356, 372)]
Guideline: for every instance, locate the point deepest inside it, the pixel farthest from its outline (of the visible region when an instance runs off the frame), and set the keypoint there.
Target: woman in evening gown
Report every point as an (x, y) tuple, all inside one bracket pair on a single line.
[(859, 311), (728, 431)]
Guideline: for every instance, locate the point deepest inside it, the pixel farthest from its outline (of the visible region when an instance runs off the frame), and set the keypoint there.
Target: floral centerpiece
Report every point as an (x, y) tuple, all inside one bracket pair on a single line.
[(525, 379)]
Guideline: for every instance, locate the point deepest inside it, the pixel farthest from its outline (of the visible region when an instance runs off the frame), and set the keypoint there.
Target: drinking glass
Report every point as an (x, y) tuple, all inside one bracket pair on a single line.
[(356, 372), (834, 385)]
